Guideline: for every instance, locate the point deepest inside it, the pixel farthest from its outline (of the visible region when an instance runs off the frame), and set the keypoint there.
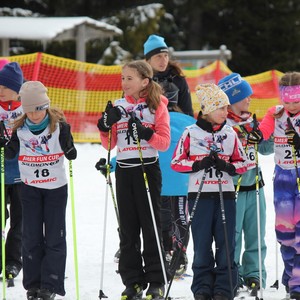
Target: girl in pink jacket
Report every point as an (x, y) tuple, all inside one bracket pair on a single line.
[(283, 121), (141, 116)]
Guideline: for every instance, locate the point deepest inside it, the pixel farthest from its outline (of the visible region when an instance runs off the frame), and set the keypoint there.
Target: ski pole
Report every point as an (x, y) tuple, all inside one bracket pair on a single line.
[(218, 173), (258, 220), (275, 285), (101, 293), (186, 233), (3, 209), (74, 228), (290, 125), (137, 139), (102, 167)]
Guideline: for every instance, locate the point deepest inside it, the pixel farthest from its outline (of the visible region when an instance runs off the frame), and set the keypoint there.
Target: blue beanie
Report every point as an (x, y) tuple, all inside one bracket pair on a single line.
[(235, 87), (11, 76), (155, 44)]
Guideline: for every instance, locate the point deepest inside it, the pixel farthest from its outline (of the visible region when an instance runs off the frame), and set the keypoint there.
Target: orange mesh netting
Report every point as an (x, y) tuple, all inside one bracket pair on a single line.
[(82, 90)]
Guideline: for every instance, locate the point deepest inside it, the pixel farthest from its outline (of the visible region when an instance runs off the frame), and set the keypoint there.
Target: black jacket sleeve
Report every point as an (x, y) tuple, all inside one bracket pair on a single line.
[(66, 141), (184, 96), (12, 148)]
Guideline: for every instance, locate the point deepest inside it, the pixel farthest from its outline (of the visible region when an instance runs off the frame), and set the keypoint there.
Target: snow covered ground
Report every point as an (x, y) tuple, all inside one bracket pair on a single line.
[(89, 196)]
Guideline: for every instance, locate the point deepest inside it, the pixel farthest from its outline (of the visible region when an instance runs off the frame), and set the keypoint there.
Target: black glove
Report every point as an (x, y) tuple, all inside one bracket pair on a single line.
[(255, 137), (102, 166), (222, 165), (292, 135), (3, 142), (66, 141), (206, 163), (111, 116), (138, 131), (293, 138)]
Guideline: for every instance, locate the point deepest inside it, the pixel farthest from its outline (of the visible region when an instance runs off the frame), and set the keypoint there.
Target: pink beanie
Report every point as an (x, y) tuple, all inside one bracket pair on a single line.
[(3, 62)]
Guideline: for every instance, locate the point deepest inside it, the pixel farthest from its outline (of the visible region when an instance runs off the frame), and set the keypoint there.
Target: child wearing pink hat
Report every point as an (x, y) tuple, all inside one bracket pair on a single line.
[(283, 121)]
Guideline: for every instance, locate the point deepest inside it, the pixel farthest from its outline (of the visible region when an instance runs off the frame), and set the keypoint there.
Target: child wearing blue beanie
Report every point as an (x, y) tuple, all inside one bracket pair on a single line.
[(239, 91), (11, 76), (11, 79)]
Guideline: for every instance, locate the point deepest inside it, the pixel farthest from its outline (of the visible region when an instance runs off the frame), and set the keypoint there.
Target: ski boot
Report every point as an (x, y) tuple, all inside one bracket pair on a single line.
[(45, 294), (155, 291), (220, 296), (31, 294), (254, 286), (181, 265), (202, 297), (295, 296), (133, 292)]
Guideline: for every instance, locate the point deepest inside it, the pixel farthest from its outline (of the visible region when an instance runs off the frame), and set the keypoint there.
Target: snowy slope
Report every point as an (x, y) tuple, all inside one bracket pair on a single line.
[(89, 191)]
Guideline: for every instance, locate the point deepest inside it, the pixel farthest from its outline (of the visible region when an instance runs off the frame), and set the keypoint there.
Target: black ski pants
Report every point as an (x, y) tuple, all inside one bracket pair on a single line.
[(44, 237), (13, 211), (174, 220), (135, 218)]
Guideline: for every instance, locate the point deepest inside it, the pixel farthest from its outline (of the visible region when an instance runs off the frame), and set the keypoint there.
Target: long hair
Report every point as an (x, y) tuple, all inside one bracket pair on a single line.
[(55, 116), (176, 69), (152, 92), (288, 79)]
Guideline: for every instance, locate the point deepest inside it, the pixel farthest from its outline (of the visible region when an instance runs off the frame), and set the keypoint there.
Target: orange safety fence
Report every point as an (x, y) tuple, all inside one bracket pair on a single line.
[(82, 89)]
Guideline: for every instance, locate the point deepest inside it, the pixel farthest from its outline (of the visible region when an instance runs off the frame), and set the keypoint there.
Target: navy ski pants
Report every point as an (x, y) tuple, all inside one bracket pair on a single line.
[(210, 266), (44, 237)]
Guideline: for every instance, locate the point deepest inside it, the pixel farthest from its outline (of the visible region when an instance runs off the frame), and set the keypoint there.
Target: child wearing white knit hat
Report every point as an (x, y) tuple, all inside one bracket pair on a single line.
[(211, 153)]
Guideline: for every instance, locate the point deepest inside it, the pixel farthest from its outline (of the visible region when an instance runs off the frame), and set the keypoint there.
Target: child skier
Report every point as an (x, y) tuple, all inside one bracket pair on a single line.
[(211, 147), (283, 121), (42, 138), (141, 115), (239, 91), (11, 79)]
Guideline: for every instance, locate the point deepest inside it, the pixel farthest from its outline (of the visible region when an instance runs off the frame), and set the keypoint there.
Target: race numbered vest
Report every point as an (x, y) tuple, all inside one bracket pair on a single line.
[(127, 147), (284, 156), (9, 116), (41, 159), (201, 143)]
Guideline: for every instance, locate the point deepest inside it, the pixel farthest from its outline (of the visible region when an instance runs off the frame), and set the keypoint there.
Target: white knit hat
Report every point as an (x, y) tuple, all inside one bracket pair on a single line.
[(34, 96), (211, 97)]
